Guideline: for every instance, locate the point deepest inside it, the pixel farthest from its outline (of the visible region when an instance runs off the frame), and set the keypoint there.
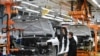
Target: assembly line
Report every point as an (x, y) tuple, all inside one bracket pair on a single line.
[(49, 28)]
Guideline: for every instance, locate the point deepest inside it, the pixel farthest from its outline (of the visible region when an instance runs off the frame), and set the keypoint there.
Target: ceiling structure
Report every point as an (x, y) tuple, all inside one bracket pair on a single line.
[(55, 7)]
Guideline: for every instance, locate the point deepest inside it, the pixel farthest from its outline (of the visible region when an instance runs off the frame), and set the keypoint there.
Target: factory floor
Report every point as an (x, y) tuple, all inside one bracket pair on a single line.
[(98, 54), (77, 55), (90, 55)]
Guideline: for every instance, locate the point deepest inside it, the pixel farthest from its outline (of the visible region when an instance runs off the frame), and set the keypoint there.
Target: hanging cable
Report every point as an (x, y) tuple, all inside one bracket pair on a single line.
[(60, 9), (2, 15), (72, 4), (1, 10), (90, 9)]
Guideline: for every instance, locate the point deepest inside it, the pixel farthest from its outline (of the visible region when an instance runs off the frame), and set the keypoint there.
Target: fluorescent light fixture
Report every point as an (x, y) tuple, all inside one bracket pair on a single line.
[(57, 18), (63, 14), (50, 15), (66, 15), (47, 9), (30, 4), (47, 17), (52, 18), (19, 7), (96, 3), (17, 0), (70, 23), (60, 18), (23, 2), (32, 10)]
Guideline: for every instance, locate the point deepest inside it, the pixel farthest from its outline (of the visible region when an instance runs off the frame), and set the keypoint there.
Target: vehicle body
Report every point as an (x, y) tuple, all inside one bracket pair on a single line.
[(38, 38), (83, 34)]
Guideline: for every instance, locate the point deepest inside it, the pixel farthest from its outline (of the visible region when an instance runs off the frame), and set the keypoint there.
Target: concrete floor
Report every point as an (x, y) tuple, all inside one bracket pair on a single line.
[(63, 55), (49, 55)]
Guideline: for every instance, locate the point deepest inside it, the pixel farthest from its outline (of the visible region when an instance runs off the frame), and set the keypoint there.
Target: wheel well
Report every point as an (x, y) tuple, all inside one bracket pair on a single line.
[(56, 47), (49, 43)]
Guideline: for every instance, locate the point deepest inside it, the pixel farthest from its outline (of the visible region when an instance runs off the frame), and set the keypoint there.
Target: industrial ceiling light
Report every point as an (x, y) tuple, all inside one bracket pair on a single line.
[(47, 9), (17, 0), (66, 15), (60, 18), (19, 7), (47, 17), (50, 15), (32, 10), (56, 19), (30, 4), (36, 6), (96, 3)]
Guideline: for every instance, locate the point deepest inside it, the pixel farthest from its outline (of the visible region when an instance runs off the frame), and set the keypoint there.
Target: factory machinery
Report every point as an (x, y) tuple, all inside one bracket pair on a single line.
[(30, 37), (82, 12), (39, 36), (6, 10)]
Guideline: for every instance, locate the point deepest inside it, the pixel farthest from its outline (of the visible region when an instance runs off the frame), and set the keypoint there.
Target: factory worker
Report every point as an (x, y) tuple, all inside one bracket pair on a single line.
[(72, 45), (68, 42)]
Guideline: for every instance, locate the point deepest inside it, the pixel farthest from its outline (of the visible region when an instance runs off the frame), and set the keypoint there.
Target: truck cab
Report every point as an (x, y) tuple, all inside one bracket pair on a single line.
[(83, 34), (39, 37)]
